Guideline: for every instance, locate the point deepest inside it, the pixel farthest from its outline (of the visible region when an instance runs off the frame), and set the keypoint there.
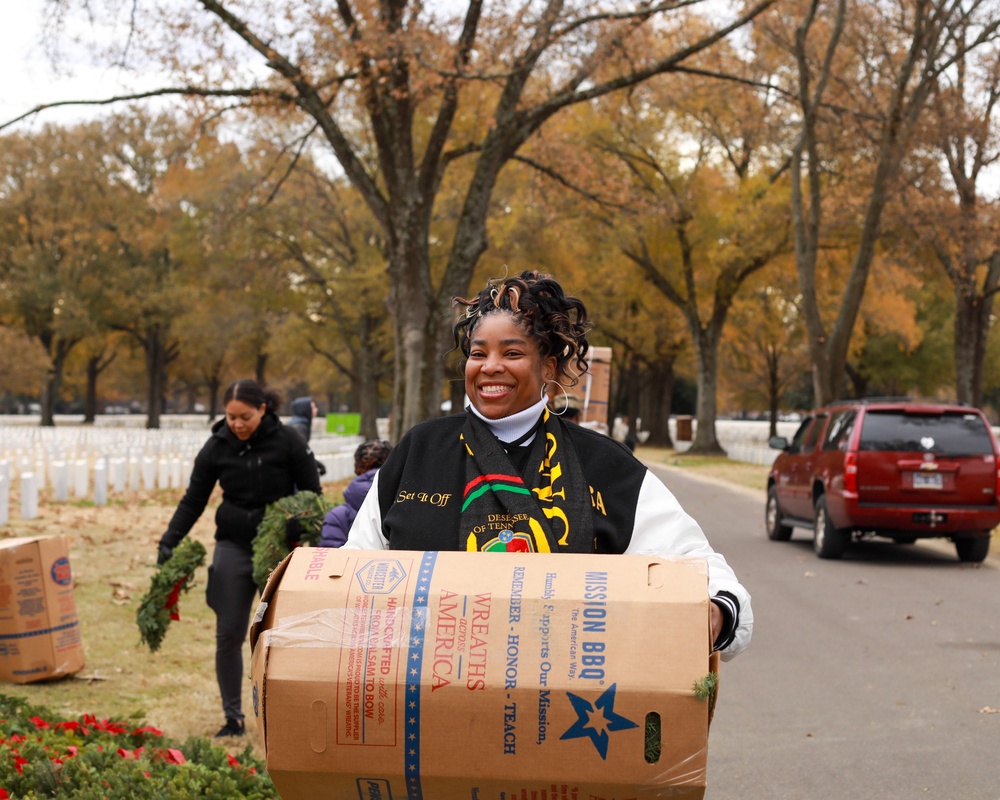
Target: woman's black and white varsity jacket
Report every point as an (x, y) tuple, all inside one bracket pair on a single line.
[(416, 497)]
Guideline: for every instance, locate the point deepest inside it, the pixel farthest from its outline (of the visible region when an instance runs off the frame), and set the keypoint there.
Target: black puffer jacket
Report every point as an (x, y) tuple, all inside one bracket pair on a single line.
[(271, 464)]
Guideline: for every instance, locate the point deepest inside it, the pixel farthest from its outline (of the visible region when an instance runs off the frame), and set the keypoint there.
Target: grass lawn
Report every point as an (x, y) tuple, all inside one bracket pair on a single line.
[(752, 476)]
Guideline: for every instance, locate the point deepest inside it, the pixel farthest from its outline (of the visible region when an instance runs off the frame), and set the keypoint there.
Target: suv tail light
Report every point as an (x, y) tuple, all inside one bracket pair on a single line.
[(851, 473)]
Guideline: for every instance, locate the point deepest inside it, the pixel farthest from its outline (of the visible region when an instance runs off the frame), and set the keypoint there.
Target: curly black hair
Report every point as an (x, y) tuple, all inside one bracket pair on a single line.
[(371, 454), (558, 322)]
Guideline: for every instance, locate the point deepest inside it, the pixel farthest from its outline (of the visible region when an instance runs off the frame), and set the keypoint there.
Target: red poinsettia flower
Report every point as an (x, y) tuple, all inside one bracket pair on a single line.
[(104, 724), (172, 756), (73, 725)]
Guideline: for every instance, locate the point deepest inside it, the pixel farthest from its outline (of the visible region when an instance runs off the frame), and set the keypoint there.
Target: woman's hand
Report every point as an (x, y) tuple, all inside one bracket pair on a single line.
[(717, 622)]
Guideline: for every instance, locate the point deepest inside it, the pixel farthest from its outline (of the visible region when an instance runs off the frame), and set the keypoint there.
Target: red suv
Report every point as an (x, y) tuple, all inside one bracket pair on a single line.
[(901, 469)]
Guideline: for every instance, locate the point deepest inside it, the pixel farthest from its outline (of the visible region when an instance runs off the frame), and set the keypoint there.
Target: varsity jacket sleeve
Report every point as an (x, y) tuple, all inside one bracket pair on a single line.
[(366, 532), (662, 527)]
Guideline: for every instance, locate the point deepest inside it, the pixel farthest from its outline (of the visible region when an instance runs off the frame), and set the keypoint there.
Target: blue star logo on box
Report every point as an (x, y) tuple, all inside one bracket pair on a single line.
[(595, 720)]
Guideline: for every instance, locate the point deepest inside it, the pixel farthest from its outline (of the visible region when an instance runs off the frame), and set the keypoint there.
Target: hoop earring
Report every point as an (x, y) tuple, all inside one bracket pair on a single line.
[(545, 393)]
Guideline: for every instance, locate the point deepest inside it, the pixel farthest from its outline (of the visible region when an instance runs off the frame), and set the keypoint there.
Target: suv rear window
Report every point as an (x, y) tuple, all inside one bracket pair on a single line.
[(943, 434), (840, 428)]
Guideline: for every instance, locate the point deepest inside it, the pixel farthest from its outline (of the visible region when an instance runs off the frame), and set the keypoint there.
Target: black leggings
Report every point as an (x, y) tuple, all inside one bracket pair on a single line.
[(230, 594)]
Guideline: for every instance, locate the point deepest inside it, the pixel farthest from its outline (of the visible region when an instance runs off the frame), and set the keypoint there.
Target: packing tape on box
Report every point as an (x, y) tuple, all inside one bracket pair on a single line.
[(330, 627)]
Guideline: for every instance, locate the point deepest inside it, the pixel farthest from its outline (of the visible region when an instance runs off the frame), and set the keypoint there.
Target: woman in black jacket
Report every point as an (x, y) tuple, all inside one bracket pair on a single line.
[(256, 460)]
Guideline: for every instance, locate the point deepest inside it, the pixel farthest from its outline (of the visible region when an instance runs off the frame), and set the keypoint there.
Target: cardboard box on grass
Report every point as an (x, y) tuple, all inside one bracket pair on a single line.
[(402, 674), (39, 627)]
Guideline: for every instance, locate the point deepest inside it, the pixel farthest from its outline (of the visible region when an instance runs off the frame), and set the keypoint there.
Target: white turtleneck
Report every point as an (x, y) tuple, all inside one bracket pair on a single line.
[(512, 428)]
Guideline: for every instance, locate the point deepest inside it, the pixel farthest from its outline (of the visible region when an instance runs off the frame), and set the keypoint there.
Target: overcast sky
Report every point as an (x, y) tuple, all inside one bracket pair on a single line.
[(27, 78)]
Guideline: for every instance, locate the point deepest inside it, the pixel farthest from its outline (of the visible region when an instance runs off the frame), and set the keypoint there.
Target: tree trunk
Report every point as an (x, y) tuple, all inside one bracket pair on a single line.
[(154, 381), (95, 366), (214, 390), (972, 326), (47, 401), (661, 393), (159, 354), (260, 368), (773, 389), (368, 371), (632, 399), (973, 320), (59, 350), (90, 393), (705, 441), (661, 388)]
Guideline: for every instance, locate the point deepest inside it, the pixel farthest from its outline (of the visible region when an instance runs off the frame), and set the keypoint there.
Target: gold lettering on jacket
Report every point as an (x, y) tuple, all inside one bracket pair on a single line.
[(597, 501), (435, 499), (546, 494)]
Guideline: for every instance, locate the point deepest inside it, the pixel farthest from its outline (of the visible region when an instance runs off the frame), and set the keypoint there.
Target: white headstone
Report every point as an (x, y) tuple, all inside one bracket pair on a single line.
[(116, 474), (81, 480), (60, 480), (148, 473), (29, 495), (100, 483)]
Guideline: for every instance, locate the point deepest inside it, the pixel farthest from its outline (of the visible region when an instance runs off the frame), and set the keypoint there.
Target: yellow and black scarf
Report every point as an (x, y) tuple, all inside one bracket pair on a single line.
[(546, 510)]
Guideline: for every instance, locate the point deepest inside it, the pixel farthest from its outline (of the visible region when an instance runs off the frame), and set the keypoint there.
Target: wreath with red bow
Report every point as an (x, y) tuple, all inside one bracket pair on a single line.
[(160, 605)]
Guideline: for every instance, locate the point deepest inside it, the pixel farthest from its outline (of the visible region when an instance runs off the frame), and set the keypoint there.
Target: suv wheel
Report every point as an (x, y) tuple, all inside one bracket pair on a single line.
[(972, 548), (776, 532), (828, 541)]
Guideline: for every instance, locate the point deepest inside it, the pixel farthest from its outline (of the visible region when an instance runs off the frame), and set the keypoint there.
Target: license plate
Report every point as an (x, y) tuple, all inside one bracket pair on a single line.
[(923, 480)]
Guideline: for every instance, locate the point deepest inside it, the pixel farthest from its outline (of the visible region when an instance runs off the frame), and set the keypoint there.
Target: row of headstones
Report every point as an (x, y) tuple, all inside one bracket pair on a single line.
[(125, 474)]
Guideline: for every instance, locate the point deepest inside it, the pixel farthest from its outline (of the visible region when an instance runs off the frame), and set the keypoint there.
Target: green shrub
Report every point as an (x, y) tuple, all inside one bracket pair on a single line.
[(98, 759)]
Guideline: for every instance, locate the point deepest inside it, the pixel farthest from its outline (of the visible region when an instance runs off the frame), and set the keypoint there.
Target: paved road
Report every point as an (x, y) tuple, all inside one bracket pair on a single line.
[(867, 677)]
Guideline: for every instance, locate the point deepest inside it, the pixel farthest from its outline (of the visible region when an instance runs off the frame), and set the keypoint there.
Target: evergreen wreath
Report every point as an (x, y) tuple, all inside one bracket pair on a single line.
[(174, 576), (270, 545)]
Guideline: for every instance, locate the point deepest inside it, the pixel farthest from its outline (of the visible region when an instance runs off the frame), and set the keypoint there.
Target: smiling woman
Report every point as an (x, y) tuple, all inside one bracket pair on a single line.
[(509, 474)]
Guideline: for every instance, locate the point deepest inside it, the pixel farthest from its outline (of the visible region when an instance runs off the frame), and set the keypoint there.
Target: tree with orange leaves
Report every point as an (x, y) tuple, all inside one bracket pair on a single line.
[(406, 95)]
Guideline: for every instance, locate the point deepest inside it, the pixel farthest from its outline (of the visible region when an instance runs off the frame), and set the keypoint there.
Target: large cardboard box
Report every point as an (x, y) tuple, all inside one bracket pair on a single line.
[(402, 674), (39, 628)]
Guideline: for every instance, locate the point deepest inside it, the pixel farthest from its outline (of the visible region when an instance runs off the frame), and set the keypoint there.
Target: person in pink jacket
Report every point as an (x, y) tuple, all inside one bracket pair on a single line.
[(368, 458)]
